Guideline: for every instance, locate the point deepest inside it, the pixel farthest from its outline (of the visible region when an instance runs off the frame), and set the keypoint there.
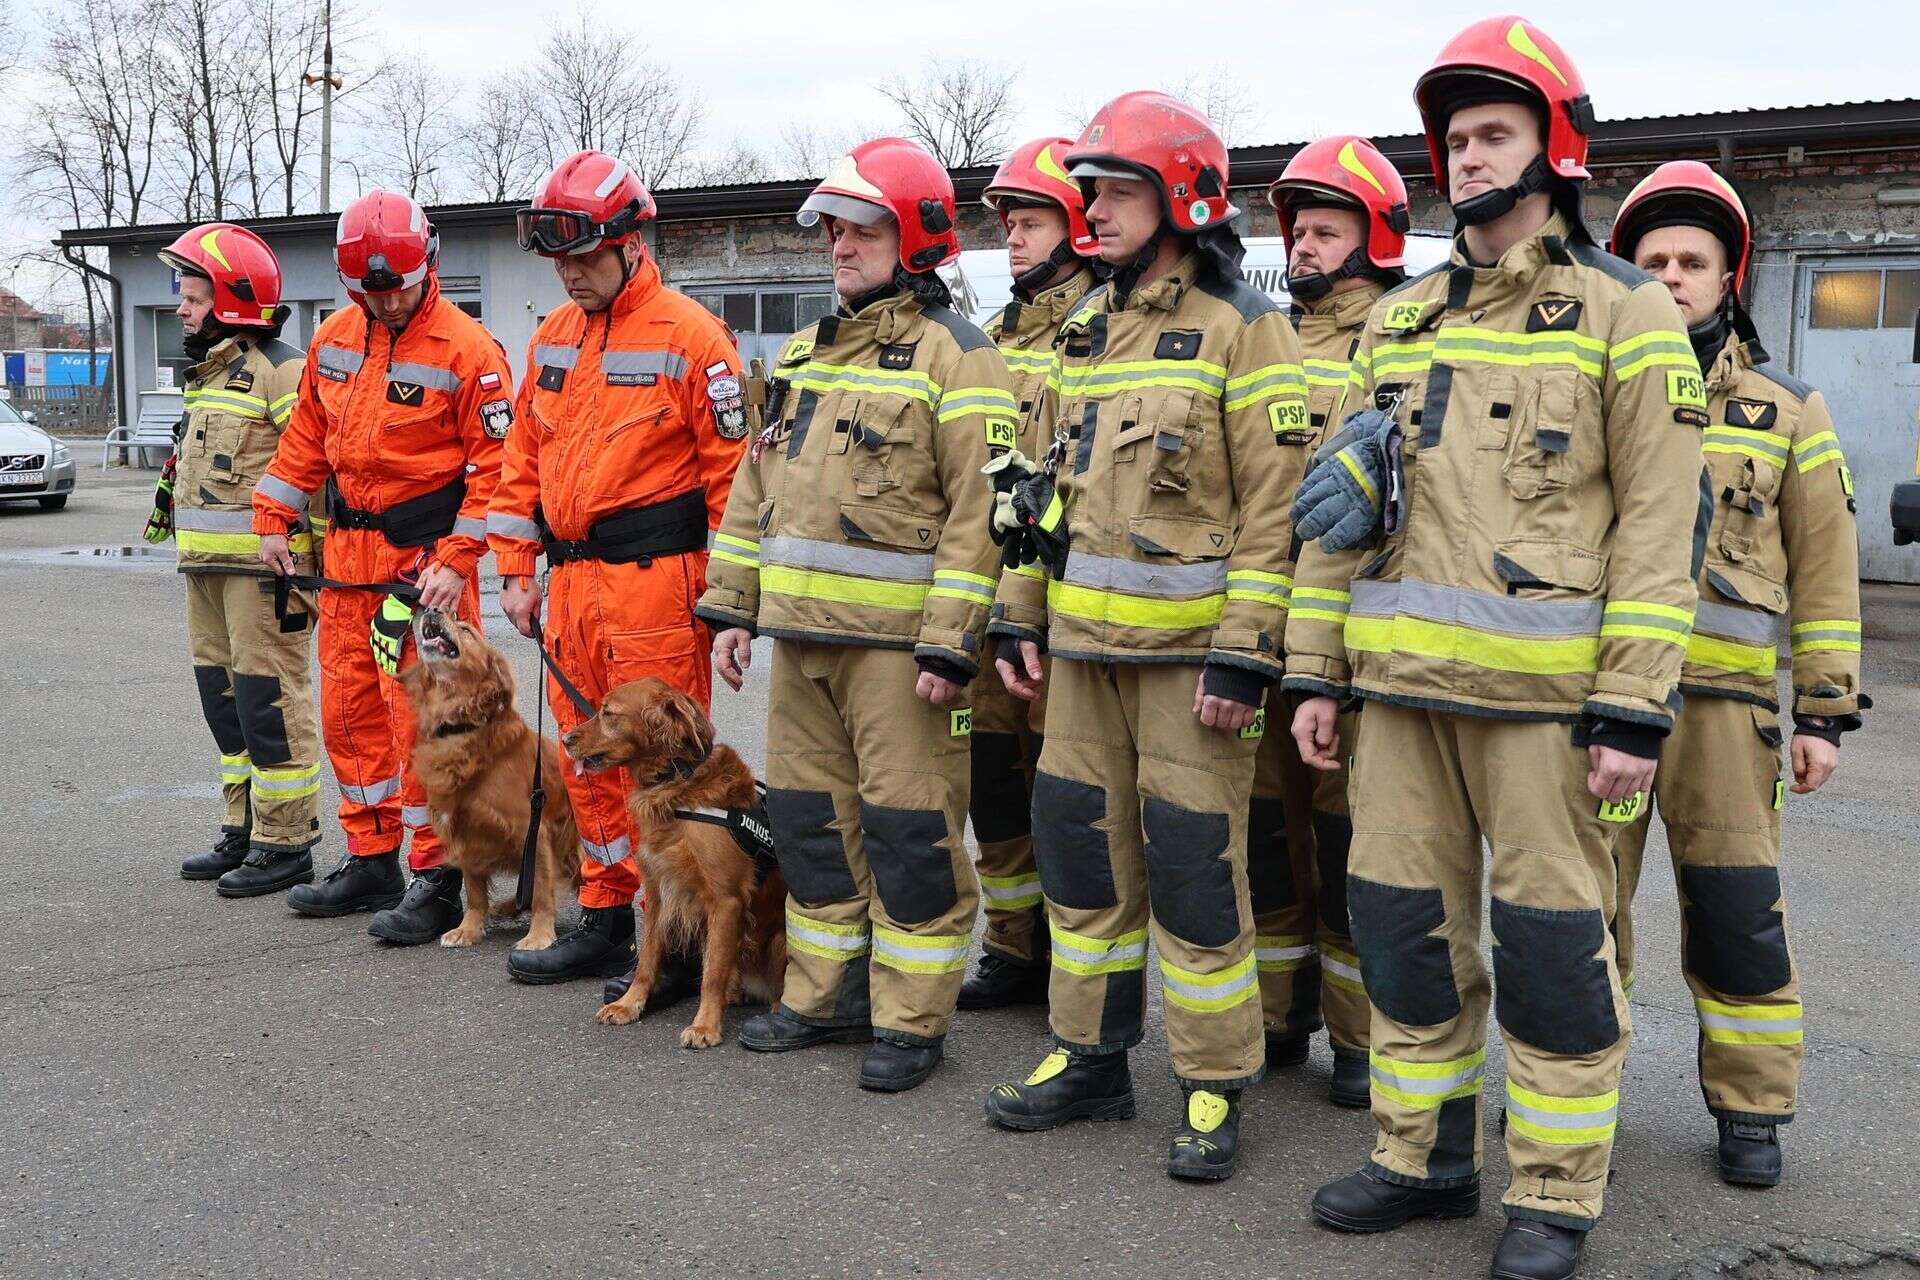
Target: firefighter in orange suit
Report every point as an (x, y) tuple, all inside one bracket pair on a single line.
[(631, 421), (395, 409)]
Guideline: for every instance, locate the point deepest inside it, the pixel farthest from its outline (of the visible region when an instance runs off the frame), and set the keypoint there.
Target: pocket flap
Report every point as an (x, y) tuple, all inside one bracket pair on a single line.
[(1550, 562), (1177, 536), (889, 526), (1744, 586)]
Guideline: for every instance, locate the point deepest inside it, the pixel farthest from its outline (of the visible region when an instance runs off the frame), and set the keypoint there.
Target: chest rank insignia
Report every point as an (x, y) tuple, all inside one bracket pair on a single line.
[(241, 381), (1754, 415), (1551, 314), (898, 356), (411, 394), (1177, 345)]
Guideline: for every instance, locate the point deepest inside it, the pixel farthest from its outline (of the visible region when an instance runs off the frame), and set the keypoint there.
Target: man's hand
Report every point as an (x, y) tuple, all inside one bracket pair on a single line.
[(1615, 775), (1220, 713), (938, 690), (1316, 728), (1024, 683), (275, 554), (441, 587), (520, 601), (732, 655), (1814, 760)]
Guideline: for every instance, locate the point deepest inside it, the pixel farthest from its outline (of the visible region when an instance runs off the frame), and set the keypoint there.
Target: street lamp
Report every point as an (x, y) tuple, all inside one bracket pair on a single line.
[(328, 82)]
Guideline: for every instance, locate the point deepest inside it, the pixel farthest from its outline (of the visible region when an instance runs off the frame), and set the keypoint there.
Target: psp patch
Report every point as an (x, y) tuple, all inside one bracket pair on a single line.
[(1001, 433), (960, 722), (1685, 387), (496, 416), (1258, 729), (1403, 316), (1285, 417)]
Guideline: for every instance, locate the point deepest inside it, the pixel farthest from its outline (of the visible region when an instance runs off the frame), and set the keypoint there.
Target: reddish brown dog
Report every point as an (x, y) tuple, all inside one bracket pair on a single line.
[(474, 755), (702, 888)]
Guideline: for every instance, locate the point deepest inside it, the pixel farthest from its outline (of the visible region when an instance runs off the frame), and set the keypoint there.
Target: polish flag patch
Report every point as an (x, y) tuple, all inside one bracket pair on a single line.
[(489, 382)]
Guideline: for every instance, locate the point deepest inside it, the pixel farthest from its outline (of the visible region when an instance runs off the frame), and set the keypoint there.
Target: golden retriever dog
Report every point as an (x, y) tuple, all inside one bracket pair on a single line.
[(474, 755), (703, 889)]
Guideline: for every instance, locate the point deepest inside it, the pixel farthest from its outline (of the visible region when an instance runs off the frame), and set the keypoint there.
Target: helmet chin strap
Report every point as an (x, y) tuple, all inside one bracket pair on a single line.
[(1489, 205), (1312, 286), (1124, 278), (1039, 276)]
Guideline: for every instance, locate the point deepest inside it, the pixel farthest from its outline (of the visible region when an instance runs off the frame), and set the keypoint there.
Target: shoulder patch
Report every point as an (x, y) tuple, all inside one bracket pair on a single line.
[(1406, 314), (964, 331), (1250, 302), (798, 348), (1785, 381), (1600, 260)]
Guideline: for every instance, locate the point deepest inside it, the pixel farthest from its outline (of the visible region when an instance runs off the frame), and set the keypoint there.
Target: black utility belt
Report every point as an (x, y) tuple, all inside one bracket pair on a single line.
[(417, 522), (638, 534)]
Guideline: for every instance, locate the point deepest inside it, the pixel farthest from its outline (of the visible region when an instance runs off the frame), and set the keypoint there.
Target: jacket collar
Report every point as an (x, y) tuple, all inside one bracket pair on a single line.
[(1344, 310), (889, 320), (220, 357), (638, 290), (1049, 309), (1521, 261), (1165, 293), (1735, 359)]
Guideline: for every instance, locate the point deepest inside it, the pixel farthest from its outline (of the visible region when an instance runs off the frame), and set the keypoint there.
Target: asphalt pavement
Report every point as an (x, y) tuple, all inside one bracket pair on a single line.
[(196, 1087)]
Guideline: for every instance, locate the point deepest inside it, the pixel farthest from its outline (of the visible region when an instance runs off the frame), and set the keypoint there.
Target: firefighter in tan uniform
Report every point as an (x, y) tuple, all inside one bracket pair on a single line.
[(857, 536), (250, 654), (1048, 247), (1782, 543), (1154, 510), (1526, 477), (1343, 215)]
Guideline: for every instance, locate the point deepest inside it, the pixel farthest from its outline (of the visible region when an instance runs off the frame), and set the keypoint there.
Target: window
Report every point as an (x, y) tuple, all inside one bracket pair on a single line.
[(1845, 300), (169, 351), (469, 305), (1903, 300), (771, 311), (813, 306), (737, 309), (776, 312)]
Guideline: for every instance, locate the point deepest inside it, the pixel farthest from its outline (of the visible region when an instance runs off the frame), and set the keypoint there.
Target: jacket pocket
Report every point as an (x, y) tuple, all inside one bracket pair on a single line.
[(219, 439), (883, 446), (650, 418), (1524, 563), (764, 518), (1747, 586), (1541, 448), (1183, 539), (889, 526)]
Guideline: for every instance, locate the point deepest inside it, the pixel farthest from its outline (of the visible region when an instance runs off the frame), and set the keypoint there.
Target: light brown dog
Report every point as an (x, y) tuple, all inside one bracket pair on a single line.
[(474, 755), (703, 889)]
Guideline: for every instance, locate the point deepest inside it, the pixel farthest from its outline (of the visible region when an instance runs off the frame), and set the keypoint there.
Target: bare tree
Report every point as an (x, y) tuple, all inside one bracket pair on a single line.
[(737, 162), (289, 36), (594, 88), (103, 73), (208, 81), (958, 110), (407, 109), (805, 150), (499, 148), (1222, 97)]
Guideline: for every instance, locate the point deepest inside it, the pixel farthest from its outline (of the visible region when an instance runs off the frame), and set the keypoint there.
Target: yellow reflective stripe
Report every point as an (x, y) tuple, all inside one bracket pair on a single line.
[(1249, 584), (1360, 477), (1730, 655), (1265, 383), (964, 594), (818, 584), (1654, 348), (1027, 359), (287, 784), (980, 578), (1357, 371), (1423, 1086), (1751, 1023), (236, 768), (720, 553), (1011, 893), (1341, 598), (1342, 969), (1751, 451), (1029, 571), (1094, 605), (837, 942), (1282, 952), (220, 398), (1401, 357), (282, 409), (1562, 1122), (1091, 957), (1828, 446), (224, 544), (1828, 635), (1566, 655), (961, 401), (956, 584), (1337, 604), (1326, 373), (1234, 985), (919, 953), (816, 375), (738, 544), (1115, 376), (1647, 621)]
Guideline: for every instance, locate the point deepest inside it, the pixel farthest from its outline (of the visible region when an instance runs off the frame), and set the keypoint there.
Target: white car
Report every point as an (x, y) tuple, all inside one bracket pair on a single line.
[(32, 463)]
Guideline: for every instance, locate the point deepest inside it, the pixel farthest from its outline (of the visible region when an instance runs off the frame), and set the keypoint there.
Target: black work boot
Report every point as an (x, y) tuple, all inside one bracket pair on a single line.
[(679, 977), (892, 1067), (1366, 1202), (1206, 1146), (1000, 981), (1538, 1251), (372, 883), (777, 1031), (265, 871), (1352, 1084), (430, 907), (1285, 1049), (217, 861), (1065, 1086), (1749, 1153), (600, 946)]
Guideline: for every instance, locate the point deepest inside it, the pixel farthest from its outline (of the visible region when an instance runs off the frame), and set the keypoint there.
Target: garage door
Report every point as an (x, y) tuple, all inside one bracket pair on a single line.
[(1854, 340)]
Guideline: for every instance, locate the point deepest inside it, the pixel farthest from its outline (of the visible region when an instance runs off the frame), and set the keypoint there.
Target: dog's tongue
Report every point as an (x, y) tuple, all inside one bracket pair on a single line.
[(579, 769)]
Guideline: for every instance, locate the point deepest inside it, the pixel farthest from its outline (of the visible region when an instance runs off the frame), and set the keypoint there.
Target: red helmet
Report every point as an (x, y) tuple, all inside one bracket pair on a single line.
[(891, 177), (589, 200), (1163, 140), (1347, 172), (1686, 193), (1033, 173), (243, 271), (1499, 59), (384, 243)]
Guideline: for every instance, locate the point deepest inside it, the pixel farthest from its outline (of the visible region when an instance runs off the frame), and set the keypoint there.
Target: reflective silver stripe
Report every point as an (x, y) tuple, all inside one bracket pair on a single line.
[(200, 520), (1109, 573), (1428, 1084), (1028, 887), (1345, 970), (670, 363), (1736, 623), (1721, 1022), (512, 526), (926, 955), (339, 360), (1276, 955), (821, 938), (967, 404), (280, 491), (557, 357), (615, 176), (416, 815), (1480, 610), (1195, 991), (1824, 633), (468, 527), (307, 780), (427, 375), (810, 553), (1099, 380), (1563, 1119), (606, 853), (373, 792), (1107, 955)]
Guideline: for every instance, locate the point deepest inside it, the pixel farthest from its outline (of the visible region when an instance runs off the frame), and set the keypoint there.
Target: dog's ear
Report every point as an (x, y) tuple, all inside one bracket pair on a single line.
[(688, 721), (500, 674)]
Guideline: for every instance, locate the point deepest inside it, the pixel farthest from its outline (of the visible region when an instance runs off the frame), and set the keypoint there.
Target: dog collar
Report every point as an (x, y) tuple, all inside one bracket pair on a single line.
[(453, 728), (683, 769)]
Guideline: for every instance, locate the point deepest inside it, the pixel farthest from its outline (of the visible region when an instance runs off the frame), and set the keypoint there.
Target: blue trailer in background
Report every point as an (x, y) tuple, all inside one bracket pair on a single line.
[(51, 367)]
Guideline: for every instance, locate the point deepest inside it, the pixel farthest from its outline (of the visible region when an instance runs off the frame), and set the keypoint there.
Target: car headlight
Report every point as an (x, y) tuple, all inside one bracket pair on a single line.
[(61, 454)]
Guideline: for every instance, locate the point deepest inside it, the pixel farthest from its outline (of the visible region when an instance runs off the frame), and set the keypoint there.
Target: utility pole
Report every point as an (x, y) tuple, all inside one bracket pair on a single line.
[(328, 82)]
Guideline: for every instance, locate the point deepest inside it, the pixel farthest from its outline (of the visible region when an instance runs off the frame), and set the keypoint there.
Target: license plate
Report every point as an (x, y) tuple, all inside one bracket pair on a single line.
[(23, 477)]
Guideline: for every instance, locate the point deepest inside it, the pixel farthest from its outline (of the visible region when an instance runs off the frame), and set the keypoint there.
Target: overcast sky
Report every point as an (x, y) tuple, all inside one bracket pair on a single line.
[(1310, 68)]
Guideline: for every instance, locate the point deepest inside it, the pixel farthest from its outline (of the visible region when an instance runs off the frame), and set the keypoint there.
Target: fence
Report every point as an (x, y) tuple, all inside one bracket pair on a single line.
[(67, 411)]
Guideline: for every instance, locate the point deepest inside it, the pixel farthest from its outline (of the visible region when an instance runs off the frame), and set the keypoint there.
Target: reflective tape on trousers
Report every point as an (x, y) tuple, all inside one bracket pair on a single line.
[(373, 792)]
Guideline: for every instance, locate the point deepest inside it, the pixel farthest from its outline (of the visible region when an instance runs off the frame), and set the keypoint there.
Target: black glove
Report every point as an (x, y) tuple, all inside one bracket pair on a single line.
[(1043, 523)]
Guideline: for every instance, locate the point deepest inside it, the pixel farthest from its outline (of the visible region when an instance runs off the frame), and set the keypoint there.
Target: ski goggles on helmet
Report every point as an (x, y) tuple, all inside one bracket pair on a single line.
[(568, 231), (379, 277)]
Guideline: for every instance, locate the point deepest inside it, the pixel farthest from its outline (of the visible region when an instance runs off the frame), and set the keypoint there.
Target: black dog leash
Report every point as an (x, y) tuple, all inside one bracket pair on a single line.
[(530, 848)]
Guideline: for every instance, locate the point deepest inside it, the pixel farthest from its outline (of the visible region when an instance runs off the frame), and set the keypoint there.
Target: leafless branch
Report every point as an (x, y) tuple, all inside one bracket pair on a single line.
[(957, 110)]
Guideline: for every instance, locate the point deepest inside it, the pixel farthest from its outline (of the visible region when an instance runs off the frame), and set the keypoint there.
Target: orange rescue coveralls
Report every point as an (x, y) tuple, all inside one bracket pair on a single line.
[(390, 418), (620, 409)]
